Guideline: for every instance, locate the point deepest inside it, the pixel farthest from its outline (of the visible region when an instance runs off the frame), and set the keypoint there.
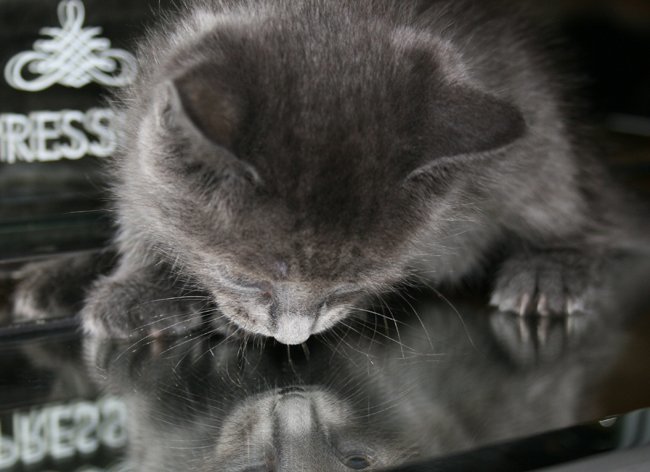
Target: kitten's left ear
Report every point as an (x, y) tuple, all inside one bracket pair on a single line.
[(199, 102), (206, 113)]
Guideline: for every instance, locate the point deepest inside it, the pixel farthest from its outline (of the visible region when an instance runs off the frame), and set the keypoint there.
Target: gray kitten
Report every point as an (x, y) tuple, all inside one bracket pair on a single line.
[(285, 160)]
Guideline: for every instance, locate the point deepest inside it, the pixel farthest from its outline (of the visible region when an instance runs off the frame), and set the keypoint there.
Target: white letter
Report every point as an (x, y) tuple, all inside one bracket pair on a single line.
[(4, 152), (8, 452), (42, 133), (99, 121), (86, 416), (17, 129), (78, 146), (61, 432), (30, 431), (112, 431)]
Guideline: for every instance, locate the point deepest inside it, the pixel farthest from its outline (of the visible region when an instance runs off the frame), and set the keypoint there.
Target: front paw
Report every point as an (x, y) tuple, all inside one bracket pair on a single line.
[(549, 283), (134, 308), (55, 287)]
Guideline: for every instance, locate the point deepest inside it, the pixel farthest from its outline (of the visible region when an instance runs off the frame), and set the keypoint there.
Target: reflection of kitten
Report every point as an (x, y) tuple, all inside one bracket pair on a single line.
[(362, 403), (231, 420), (300, 428), (285, 159)]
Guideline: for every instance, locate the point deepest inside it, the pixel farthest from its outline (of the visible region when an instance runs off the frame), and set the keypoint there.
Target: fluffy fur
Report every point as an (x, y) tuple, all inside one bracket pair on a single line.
[(286, 160)]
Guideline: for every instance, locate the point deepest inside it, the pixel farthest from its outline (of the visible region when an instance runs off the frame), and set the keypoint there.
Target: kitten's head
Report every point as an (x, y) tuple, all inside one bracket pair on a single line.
[(291, 169)]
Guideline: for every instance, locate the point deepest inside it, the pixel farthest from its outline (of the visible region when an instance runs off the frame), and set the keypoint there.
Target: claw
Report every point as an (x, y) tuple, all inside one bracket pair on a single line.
[(156, 345), (523, 304), (542, 306), (569, 325), (524, 332), (503, 304), (574, 305), (543, 329)]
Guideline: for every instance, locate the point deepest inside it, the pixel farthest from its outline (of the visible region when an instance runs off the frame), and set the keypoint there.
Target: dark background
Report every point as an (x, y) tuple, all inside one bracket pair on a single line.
[(57, 206)]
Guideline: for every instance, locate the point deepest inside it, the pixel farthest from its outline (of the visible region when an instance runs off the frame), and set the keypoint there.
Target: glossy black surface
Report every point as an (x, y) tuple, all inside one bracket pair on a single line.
[(439, 378), (49, 204)]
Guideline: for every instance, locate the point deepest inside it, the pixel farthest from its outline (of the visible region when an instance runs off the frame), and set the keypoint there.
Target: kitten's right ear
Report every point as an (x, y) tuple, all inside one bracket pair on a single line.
[(197, 102)]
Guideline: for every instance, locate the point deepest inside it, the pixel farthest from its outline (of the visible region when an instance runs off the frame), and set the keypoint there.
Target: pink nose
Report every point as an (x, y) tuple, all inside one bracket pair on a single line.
[(293, 329)]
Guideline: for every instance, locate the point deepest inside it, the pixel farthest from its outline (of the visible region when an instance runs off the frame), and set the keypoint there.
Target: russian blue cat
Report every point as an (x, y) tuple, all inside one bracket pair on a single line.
[(287, 160)]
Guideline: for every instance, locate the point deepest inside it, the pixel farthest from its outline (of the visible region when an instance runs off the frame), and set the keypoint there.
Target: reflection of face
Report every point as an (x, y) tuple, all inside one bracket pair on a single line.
[(198, 404), (299, 429)]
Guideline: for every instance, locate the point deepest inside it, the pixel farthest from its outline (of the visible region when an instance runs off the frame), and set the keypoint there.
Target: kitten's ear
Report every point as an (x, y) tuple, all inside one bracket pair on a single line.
[(206, 114), (466, 121), (199, 102)]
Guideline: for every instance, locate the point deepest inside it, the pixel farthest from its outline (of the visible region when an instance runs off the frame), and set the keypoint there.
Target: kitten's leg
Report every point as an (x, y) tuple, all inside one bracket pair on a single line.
[(137, 301), (56, 287), (548, 282)]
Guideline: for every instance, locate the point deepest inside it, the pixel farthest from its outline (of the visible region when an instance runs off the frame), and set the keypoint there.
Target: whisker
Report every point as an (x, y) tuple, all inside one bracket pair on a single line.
[(456, 311)]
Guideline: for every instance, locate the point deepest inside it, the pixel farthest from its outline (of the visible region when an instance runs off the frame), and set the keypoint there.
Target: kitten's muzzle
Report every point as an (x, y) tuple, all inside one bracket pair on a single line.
[(294, 329)]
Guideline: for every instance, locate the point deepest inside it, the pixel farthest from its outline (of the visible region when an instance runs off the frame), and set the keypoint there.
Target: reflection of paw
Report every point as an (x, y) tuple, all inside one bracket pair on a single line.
[(127, 308), (553, 283), (534, 339)]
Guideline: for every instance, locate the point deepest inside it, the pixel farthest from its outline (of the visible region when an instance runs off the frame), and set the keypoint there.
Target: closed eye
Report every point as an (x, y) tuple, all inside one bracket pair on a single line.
[(254, 286), (342, 295), (241, 284)]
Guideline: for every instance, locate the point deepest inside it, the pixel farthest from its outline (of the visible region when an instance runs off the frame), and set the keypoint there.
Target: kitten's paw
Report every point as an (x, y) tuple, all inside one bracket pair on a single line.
[(106, 314), (31, 301), (551, 283), (126, 309), (55, 287)]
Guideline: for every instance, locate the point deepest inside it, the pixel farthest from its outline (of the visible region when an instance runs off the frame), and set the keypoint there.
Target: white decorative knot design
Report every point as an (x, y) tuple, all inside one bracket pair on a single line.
[(74, 56)]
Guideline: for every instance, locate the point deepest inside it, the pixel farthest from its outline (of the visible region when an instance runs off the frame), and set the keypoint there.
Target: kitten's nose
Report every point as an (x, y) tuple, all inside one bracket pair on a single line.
[(293, 329)]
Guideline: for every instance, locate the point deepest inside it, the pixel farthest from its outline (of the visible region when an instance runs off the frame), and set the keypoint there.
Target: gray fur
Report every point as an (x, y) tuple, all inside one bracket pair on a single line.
[(289, 159)]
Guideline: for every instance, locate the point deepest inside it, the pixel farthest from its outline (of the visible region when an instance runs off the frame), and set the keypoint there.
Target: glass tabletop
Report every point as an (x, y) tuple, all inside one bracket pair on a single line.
[(441, 383)]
